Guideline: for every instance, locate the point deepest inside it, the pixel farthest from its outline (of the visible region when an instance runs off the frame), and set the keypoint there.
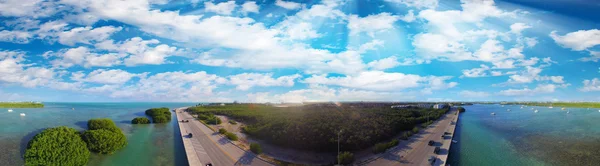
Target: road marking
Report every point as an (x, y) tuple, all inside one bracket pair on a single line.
[(215, 143)]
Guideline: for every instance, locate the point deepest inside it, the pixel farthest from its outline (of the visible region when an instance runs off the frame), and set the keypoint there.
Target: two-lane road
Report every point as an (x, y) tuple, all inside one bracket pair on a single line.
[(416, 150), (219, 151)]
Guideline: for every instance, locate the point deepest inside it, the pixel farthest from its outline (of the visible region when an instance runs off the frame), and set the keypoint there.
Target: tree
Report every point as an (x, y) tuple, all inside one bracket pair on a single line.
[(461, 109), (103, 123), (104, 141), (161, 119), (231, 136), (140, 120), (345, 158), (222, 131), (254, 147), (57, 146)]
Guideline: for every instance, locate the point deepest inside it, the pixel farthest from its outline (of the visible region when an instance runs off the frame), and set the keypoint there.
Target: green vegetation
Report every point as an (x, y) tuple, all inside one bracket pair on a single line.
[(254, 147), (104, 141), (222, 131), (209, 118), (159, 115), (140, 120), (57, 146), (345, 158), (21, 105), (232, 122), (381, 147), (104, 136), (231, 136), (406, 135), (316, 126), (461, 109), (415, 130), (103, 123)]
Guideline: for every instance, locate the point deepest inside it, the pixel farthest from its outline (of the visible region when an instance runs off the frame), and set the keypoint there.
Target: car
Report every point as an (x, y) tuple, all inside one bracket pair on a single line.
[(430, 143), (190, 135), (209, 164), (436, 150), (431, 160)]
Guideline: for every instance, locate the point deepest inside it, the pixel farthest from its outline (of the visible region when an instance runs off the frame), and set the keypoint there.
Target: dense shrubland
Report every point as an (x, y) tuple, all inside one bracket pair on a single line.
[(140, 120), (57, 146), (159, 115), (104, 136), (315, 127)]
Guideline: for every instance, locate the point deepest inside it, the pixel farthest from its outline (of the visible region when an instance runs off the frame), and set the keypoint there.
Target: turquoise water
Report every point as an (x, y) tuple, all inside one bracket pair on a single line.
[(153, 144), (522, 137)]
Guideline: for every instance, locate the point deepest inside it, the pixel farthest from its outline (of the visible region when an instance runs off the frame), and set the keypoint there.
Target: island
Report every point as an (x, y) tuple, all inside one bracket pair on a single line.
[(21, 105)]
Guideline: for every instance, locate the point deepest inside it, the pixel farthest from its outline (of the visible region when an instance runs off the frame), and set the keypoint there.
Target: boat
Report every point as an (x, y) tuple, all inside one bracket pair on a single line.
[(454, 141), (73, 108), (536, 111), (563, 108), (508, 110), (568, 112), (22, 114), (550, 107), (493, 113), (9, 110), (598, 110)]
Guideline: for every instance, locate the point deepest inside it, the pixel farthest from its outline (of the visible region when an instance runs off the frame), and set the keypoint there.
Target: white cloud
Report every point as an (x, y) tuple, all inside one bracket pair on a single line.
[(527, 76), (84, 57), (409, 17), (417, 3), (250, 7), (371, 24), (86, 35), (114, 76), (385, 63), (246, 81), (516, 28), (140, 51), (27, 8), (578, 40), (15, 36), (476, 72), (288, 5), (590, 85), (323, 93), (14, 70), (473, 94), (595, 56), (223, 8), (381, 81), (542, 88)]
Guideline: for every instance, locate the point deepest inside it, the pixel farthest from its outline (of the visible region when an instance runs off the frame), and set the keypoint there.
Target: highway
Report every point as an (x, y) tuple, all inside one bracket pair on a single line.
[(416, 150), (213, 148)]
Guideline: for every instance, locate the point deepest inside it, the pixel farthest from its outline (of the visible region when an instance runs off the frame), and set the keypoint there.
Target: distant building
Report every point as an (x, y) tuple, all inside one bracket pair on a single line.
[(440, 106)]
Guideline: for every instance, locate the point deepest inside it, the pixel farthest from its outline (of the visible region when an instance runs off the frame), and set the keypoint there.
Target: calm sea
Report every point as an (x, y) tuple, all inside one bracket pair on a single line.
[(522, 137), (153, 144)]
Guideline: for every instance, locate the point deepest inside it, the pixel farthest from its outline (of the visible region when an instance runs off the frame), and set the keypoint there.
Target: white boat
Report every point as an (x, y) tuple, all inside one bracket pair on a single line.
[(508, 110), (598, 110), (568, 112), (10, 110), (550, 107), (454, 141), (563, 108), (493, 113), (22, 114), (536, 111), (73, 108)]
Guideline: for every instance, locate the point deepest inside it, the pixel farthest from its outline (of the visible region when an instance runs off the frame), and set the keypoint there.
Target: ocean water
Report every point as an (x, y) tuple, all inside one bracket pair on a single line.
[(522, 137), (152, 144)]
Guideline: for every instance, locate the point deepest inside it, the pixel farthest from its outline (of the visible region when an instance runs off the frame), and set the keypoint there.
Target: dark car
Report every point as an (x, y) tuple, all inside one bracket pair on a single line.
[(209, 164), (431, 160), (436, 150), (190, 135), (430, 143)]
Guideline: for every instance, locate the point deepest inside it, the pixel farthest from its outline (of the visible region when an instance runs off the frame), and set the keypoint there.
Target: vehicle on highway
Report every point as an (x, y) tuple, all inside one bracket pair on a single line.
[(431, 142), (431, 160), (436, 150), (209, 164), (190, 135)]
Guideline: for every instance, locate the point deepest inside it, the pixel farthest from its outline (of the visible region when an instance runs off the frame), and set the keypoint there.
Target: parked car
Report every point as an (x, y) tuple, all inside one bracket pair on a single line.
[(190, 135), (430, 143), (436, 150)]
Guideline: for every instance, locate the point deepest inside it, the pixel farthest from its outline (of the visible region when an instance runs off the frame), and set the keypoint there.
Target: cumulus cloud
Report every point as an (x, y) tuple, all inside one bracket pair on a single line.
[(246, 81), (371, 24), (385, 63), (578, 40), (417, 3), (516, 28), (86, 35), (382, 81), (473, 94), (224, 8), (590, 85), (250, 7), (103, 76), (540, 89), (288, 5)]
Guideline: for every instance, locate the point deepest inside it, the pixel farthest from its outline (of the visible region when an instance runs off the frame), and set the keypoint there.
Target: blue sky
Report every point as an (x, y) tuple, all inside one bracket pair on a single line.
[(294, 51)]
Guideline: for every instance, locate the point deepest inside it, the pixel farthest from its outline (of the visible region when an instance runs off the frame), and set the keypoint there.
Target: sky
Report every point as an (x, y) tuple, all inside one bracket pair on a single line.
[(299, 51)]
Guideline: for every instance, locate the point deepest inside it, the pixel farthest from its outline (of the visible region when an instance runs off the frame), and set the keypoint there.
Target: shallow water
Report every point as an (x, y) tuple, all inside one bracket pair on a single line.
[(522, 137), (152, 144)]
